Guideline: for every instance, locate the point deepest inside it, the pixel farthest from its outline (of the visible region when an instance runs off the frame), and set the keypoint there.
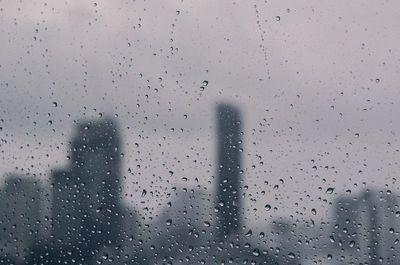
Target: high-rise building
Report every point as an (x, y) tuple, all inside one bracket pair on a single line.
[(228, 171), (86, 195)]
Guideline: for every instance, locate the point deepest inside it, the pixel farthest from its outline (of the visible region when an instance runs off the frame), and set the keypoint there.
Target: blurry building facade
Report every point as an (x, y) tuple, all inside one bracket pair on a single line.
[(367, 228), (20, 215), (86, 195), (229, 144)]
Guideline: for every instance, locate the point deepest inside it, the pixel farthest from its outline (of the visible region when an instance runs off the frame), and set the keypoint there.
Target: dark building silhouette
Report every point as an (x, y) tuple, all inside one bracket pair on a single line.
[(20, 218), (86, 195), (370, 227), (366, 227), (228, 171), (346, 220)]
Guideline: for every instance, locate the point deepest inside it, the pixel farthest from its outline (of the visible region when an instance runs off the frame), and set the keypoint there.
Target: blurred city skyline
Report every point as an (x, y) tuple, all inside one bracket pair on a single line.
[(64, 61), (202, 169), (315, 81), (82, 214)]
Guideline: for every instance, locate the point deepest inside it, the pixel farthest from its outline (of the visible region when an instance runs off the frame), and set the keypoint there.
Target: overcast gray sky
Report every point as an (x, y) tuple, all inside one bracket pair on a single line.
[(316, 80)]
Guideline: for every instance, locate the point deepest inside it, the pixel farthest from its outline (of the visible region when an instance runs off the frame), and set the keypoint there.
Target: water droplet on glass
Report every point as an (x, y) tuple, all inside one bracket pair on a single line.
[(329, 190), (249, 233), (256, 252)]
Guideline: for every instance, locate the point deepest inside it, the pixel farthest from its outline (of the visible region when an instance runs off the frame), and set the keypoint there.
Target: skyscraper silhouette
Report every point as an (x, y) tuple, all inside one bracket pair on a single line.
[(86, 195), (228, 171)]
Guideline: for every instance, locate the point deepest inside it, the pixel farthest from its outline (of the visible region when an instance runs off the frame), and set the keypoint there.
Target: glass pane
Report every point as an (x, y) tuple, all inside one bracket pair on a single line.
[(199, 132)]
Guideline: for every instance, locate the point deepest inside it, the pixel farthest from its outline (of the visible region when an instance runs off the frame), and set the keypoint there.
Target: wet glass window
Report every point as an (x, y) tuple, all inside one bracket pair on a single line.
[(199, 132)]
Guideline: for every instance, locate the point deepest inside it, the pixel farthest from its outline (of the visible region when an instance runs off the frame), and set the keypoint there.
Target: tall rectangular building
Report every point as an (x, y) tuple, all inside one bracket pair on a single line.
[(229, 142)]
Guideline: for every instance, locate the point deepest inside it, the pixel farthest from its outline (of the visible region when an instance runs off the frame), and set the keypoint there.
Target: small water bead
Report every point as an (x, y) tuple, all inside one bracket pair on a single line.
[(249, 233), (329, 190), (256, 252)]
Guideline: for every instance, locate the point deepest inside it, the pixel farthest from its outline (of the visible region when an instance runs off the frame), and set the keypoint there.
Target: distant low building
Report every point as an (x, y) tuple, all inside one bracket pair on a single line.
[(366, 228), (184, 225), (20, 215)]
